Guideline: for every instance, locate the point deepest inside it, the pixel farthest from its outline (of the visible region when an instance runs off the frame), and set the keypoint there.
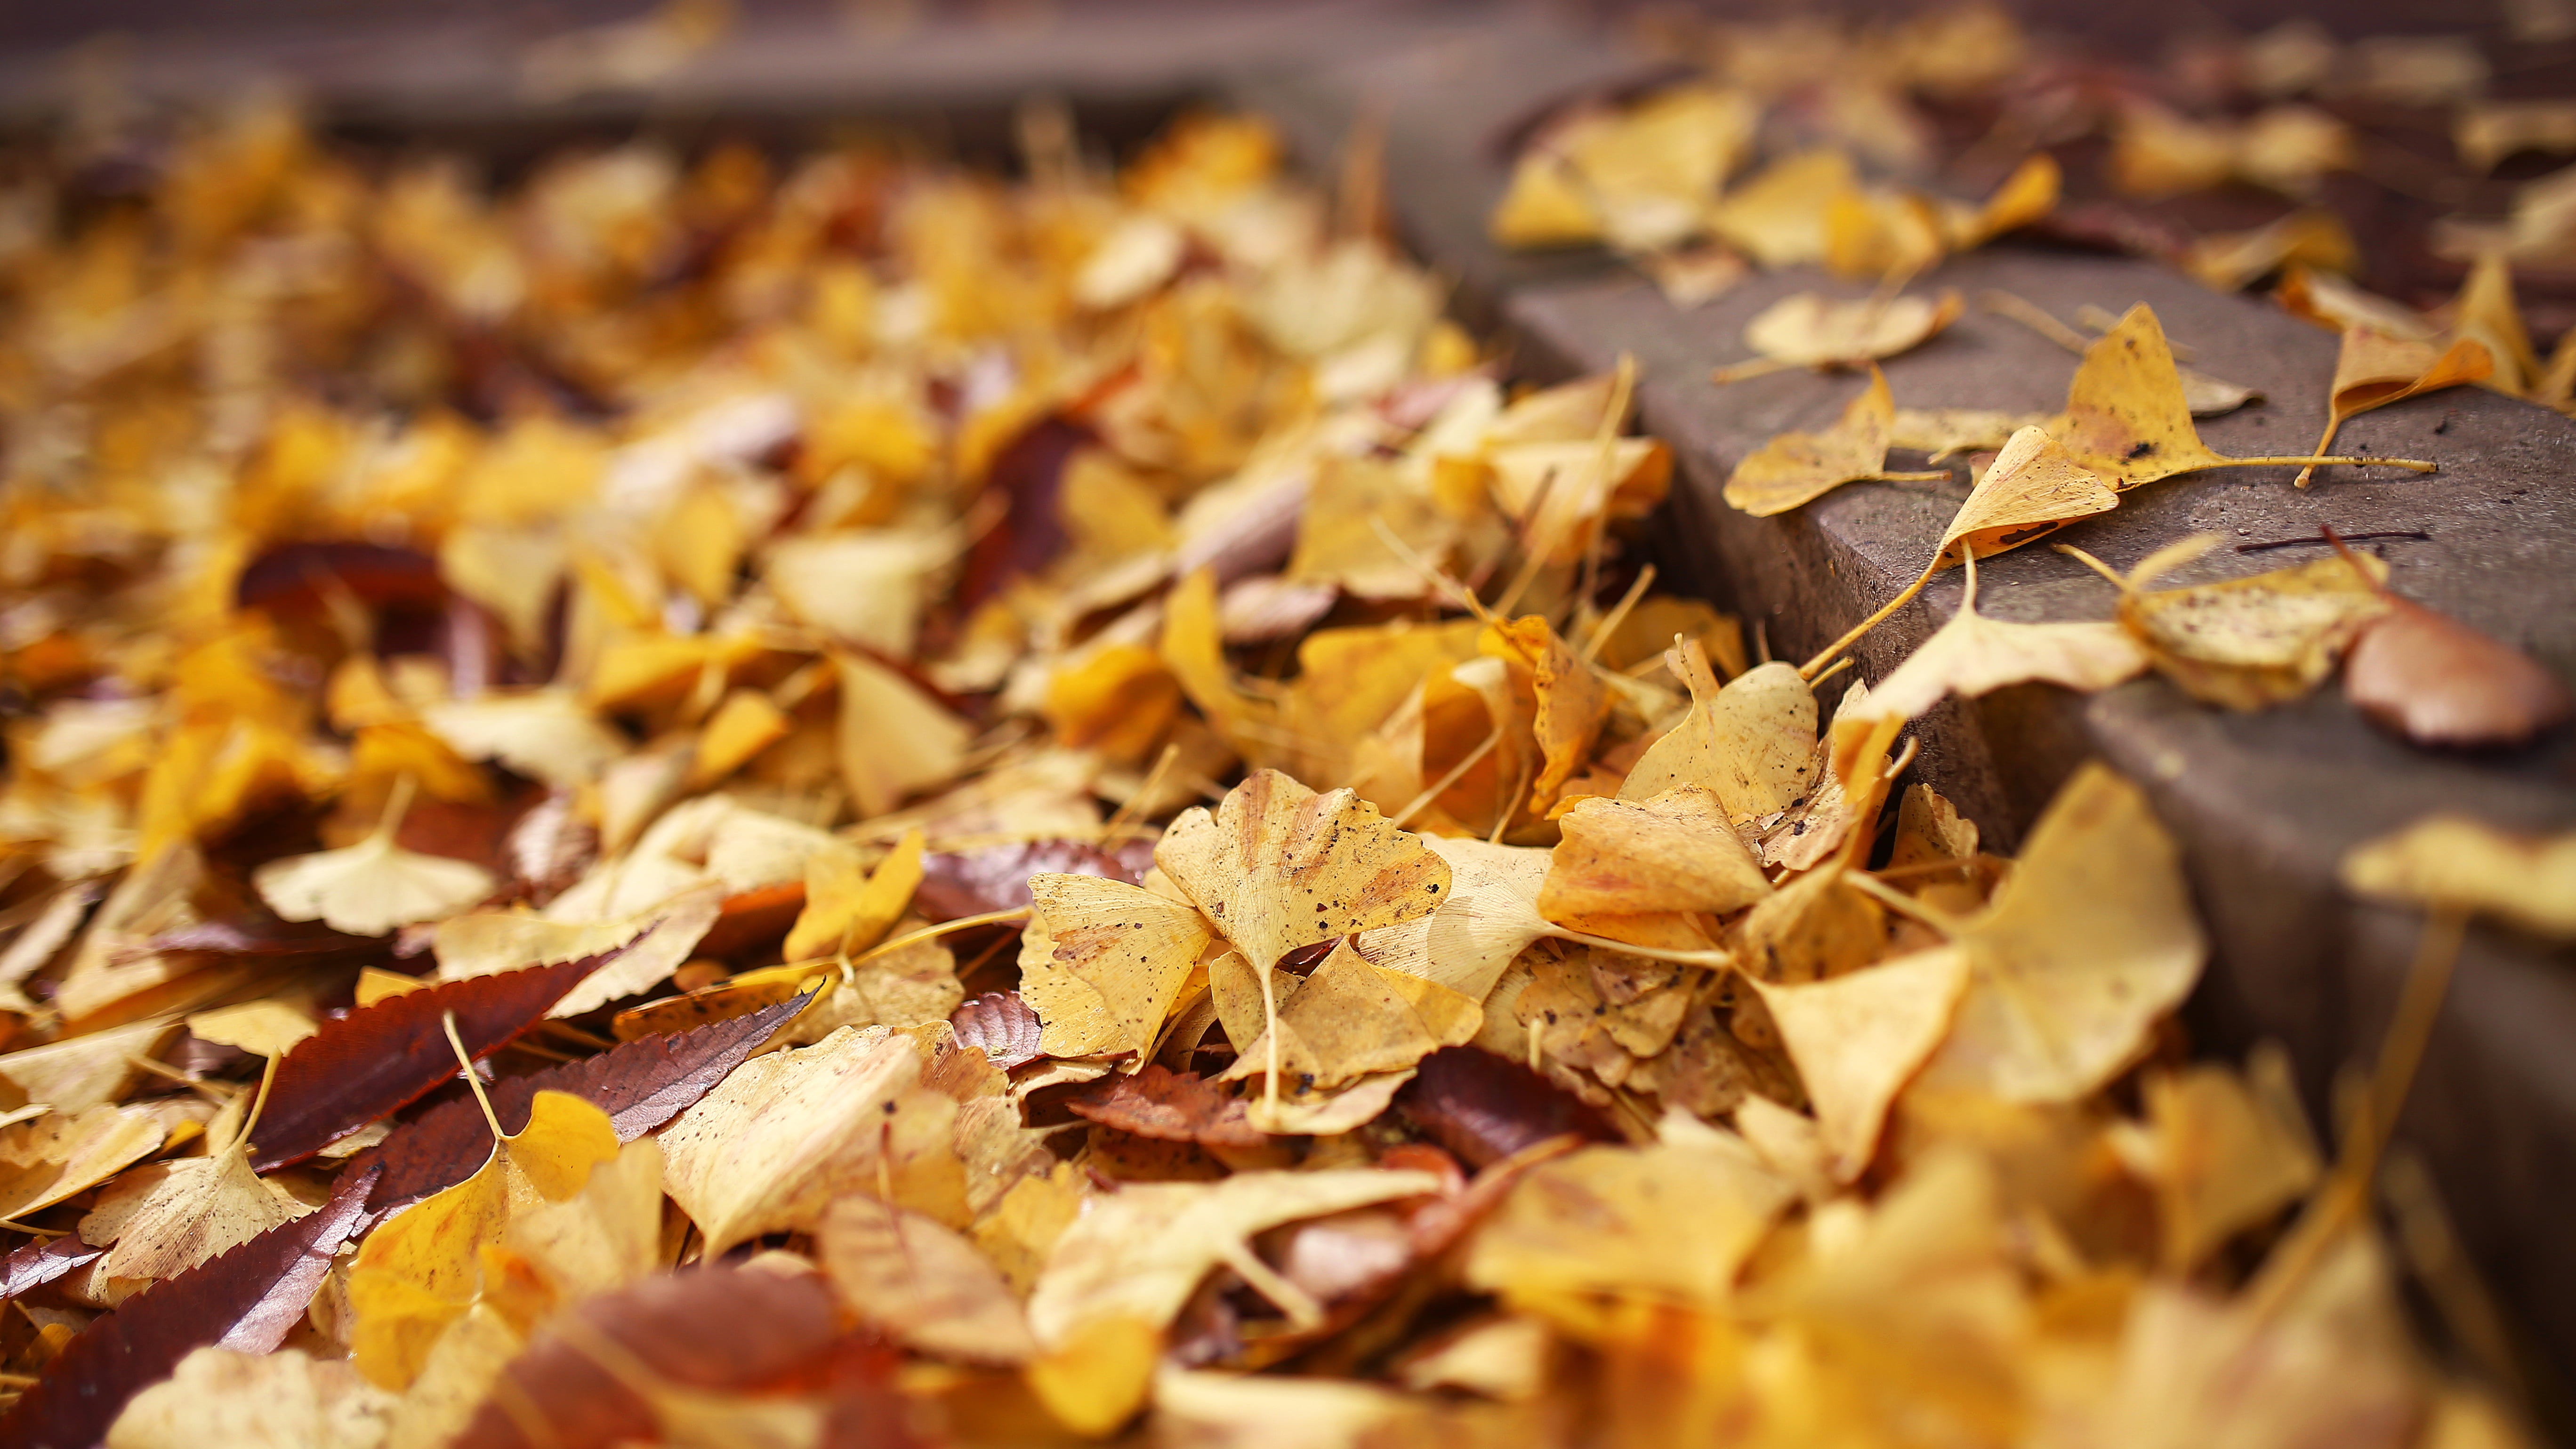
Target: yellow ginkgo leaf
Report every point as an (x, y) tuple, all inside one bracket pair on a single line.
[(894, 738), (2226, 1154), (922, 1284), (848, 909), (2457, 863), (1798, 468), (1858, 1038), (1777, 216), (2128, 420), (1571, 701), (1674, 852), (1752, 742), (1973, 655), (372, 887), (1673, 1220), (1102, 961), (1353, 1017), (2375, 369), (1811, 330), (1941, 432), (52, 1157), (2089, 942), (2485, 312), (1277, 866), (2253, 642)]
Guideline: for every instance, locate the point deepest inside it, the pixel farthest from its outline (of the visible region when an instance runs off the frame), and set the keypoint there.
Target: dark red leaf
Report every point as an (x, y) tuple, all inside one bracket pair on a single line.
[(293, 575), (245, 1299), (640, 1085), (1170, 1106), (754, 918), (38, 1264), (2437, 681), (379, 1058), (718, 1329), (1001, 1025), (956, 883), (1028, 473), (1484, 1107)]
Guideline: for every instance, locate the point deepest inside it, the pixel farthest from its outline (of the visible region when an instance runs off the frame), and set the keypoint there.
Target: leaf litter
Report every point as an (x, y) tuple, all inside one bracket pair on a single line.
[(918, 973)]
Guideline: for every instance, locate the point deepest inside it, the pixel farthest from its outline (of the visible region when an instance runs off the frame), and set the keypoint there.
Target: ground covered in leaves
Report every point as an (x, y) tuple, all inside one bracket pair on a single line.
[(1046, 814)]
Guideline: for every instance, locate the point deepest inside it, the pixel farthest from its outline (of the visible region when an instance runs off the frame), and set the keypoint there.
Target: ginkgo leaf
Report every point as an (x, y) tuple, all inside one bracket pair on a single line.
[(2226, 1157), (1858, 1038), (2089, 942), (1751, 742), (199, 1207), (1277, 866), (1811, 330), (281, 1400), (848, 909), (52, 1157), (546, 735), (1137, 1255), (922, 1284), (483, 943), (1798, 468), (423, 1268), (268, 1028), (1102, 961), (2258, 641), (2128, 421), (1973, 655), (1571, 701), (894, 738), (2458, 863), (1353, 1018), (1673, 1220), (370, 888), (1490, 916), (1777, 216), (2374, 369), (1941, 432), (1676, 851)]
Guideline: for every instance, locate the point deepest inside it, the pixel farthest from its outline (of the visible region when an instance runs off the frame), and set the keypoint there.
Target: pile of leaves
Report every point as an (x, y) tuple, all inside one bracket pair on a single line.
[(582, 867)]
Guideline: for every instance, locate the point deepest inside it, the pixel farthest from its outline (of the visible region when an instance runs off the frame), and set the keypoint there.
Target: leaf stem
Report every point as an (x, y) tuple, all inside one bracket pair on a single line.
[(448, 1019), (1808, 669)]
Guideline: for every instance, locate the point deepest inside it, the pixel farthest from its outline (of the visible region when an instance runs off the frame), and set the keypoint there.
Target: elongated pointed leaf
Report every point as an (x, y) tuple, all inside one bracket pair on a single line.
[(640, 1085), (40, 1263), (245, 1300), (379, 1058)]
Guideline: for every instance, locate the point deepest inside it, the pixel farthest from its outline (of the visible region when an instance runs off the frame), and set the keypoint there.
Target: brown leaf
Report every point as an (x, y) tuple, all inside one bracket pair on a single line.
[(1169, 1106), (378, 1058), (1001, 1025), (712, 1330), (43, 1261), (640, 1085), (1484, 1108), (988, 878), (246, 1300), (2437, 681)]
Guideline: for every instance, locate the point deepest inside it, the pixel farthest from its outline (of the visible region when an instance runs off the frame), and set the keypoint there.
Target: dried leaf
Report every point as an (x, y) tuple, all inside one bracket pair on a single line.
[(1973, 655), (1102, 962), (245, 1300), (2258, 641), (1673, 852), (57, 1155), (1810, 330), (1168, 1106), (2457, 863), (369, 888), (1001, 1025), (283, 1400), (1752, 742), (640, 1085), (378, 1058), (2090, 941), (33, 1265), (2437, 681), (847, 909), (1486, 1108), (921, 1284), (1675, 1220), (1858, 1038), (985, 879), (1797, 468), (1278, 866), (1352, 1019), (648, 946)]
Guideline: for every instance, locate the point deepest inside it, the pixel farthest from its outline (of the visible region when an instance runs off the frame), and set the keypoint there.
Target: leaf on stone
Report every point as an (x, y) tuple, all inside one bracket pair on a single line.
[(1798, 468), (1858, 1039), (377, 1059), (2090, 942), (1485, 1108), (640, 1085), (2374, 369), (1940, 432), (1169, 1107), (2253, 642), (921, 1284), (2437, 681), (2031, 489), (2454, 862), (695, 1334), (1101, 962), (1811, 330), (246, 1300), (1277, 866), (1973, 655)]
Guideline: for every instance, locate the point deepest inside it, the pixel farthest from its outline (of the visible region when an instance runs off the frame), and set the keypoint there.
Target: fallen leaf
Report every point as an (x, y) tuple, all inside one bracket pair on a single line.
[(640, 1085), (2225, 1157), (786, 1133), (421, 1269), (1101, 962), (848, 910), (1941, 432), (1486, 1108), (33, 1265), (1811, 330), (1278, 866), (547, 735), (1001, 1025), (985, 879), (370, 888), (1859, 1037), (2454, 862), (1973, 655), (375, 1060), (2258, 641), (1797, 468), (62, 1153), (2437, 681), (648, 946), (262, 1028), (282, 1400), (1752, 742), (921, 1284), (1673, 1220), (1490, 916), (200, 1207), (1168, 1106), (1676, 851), (2086, 945), (1352, 1019), (244, 1300), (2374, 369), (894, 738)]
